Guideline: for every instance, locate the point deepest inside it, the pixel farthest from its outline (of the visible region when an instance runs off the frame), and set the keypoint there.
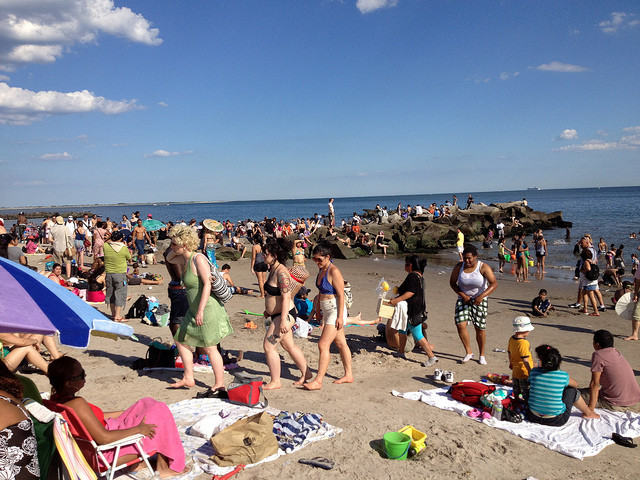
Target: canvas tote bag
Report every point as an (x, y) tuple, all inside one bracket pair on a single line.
[(247, 441)]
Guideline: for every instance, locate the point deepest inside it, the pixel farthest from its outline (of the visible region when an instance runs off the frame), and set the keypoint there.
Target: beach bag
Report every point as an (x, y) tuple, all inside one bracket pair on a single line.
[(138, 309), (219, 287), (247, 441), (470, 393), (348, 295), (593, 274), (246, 390), (161, 356)]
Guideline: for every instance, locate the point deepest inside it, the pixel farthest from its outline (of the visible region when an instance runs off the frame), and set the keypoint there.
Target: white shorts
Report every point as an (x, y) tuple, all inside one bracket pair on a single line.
[(460, 249), (330, 311)]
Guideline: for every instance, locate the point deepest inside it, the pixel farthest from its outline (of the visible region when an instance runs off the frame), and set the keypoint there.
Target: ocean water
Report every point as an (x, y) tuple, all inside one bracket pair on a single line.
[(611, 213)]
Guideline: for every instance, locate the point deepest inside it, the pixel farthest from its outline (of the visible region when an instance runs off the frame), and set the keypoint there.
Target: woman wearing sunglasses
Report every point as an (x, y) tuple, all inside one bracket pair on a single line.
[(149, 417)]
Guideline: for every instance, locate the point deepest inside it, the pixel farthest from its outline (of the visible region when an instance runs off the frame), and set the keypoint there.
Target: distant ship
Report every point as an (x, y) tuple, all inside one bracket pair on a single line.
[(533, 188)]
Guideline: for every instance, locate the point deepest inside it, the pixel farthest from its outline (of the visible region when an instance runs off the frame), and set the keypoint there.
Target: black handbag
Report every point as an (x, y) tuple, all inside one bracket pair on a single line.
[(420, 318)]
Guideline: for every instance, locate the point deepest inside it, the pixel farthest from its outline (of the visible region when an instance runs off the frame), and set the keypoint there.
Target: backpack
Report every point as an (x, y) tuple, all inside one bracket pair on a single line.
[(593, 274), (138, 309), (470, 393)]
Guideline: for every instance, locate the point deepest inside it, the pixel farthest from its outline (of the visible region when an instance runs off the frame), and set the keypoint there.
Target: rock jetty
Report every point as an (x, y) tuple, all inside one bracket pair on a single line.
[(426, 234)]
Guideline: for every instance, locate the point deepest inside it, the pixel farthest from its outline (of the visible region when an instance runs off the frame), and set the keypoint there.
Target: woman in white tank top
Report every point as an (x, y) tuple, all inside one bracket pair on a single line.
[(473, 281)]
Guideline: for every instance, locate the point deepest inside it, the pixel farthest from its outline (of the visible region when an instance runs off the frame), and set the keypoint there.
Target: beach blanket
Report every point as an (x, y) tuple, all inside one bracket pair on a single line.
[(189, 412), (578, 438)]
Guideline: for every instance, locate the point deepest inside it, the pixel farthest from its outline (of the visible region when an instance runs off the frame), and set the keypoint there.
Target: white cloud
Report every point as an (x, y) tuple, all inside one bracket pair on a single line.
[(56, 156), (602, 133), (21, 107), (4, 78), (561, 67), (568, 134), (28, 183), (165, 153), (618, 21), (39, 31), (627, 142), (507, 75), (163, 104), (368, 6)]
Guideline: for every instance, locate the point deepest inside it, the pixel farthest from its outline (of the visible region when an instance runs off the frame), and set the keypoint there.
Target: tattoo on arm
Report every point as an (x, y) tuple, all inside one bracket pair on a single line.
[(284, 281)]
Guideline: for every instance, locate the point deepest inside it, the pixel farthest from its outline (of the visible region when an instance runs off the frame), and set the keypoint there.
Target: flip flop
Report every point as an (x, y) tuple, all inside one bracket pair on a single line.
[(474, 413), (319, 462), (247, 312), (623, 441)]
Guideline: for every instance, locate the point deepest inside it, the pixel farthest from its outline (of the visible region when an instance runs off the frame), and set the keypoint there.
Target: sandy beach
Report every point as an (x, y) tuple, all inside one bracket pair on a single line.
[(365, 410)]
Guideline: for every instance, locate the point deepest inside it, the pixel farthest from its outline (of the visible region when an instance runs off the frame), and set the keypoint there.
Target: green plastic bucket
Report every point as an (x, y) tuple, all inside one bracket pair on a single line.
[(396, 445)]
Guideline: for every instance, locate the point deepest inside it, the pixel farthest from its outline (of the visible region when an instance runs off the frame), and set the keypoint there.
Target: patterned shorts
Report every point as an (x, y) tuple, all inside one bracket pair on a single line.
[(469, 312)]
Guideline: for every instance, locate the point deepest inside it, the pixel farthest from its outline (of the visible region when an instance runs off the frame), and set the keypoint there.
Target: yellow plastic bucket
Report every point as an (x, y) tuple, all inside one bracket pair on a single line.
[(396, 445), (418, 438)]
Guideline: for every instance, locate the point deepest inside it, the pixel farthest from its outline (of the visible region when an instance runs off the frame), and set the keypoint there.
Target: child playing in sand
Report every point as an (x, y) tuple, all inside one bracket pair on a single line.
[(520, 360), (541, 306)]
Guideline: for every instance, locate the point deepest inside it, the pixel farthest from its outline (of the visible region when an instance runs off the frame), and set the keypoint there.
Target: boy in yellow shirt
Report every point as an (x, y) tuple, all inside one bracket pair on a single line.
[(520, 360)]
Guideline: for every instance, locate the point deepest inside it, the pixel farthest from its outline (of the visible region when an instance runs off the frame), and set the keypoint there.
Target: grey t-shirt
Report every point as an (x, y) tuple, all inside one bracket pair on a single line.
[(15, 253)]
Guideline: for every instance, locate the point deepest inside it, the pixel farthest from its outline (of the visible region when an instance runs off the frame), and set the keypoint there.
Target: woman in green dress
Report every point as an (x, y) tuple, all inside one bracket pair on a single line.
[(206, 322)]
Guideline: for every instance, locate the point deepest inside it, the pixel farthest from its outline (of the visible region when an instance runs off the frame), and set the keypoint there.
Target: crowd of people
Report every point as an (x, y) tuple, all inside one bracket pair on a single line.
[(199, 321)]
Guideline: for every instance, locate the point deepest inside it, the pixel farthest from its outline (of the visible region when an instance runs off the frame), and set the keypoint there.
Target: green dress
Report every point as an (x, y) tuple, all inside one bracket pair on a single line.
[(216, 323)]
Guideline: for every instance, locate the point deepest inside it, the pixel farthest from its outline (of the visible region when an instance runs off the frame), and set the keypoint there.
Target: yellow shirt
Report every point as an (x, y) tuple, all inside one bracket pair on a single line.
[(460, 241), (519, 353)]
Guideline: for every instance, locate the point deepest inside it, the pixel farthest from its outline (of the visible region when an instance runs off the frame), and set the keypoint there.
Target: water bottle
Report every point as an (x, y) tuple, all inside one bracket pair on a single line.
[(499, 350), (496, 410)]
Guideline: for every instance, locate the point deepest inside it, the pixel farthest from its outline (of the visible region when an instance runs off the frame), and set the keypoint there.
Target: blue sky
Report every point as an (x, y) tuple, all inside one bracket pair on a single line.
[(146, 100)]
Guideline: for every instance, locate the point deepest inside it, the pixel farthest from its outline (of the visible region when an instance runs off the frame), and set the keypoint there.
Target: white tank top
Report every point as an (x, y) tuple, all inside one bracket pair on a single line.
[(472, 284)]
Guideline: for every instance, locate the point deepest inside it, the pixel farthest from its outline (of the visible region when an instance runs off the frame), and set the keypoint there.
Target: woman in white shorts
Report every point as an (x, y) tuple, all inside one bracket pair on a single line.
[(330, 284)]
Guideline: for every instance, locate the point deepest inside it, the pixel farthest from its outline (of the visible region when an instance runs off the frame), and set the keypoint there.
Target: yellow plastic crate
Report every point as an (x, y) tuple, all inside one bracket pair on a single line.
[(418, 438)]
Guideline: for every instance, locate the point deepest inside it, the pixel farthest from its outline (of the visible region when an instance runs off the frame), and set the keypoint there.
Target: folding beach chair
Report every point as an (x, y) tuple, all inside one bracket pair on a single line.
[(93, 452)]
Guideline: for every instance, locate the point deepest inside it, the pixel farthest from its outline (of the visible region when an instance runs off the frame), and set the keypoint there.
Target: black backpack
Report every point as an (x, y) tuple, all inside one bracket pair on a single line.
[(593, 273), (138, 309)]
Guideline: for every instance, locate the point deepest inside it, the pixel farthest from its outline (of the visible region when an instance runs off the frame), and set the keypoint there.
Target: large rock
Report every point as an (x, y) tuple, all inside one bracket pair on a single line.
[(227, 253)]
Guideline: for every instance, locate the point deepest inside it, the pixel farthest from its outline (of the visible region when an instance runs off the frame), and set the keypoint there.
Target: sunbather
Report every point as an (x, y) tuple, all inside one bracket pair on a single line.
[(147, 416)]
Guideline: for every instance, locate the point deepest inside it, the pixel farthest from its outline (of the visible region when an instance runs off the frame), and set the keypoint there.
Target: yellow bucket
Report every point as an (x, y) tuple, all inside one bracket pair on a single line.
[(418, 438), (531, 263)]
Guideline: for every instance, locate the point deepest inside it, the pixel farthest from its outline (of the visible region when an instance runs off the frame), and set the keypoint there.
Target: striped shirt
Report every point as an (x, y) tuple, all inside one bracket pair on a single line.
[(545, 396)]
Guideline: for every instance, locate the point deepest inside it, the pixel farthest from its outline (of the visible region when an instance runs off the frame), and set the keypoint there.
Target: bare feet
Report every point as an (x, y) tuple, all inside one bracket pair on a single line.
[(358, 317), (631, 338), (304, 378), (312, 386), (272, 386), (120, 319), (183, 384), (345, 379), (590, 415)]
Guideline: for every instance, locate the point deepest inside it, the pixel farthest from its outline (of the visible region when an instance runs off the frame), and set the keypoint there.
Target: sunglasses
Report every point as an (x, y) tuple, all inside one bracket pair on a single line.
[(82, 376)]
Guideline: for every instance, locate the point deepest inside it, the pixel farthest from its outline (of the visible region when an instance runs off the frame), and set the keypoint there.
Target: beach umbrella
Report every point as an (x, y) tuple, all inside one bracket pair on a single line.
[(212, 225), (152, 225), (625, 306), (31, 303)]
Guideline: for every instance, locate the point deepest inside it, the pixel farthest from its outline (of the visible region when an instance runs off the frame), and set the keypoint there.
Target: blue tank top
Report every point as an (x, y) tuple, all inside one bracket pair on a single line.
[(325, 286)]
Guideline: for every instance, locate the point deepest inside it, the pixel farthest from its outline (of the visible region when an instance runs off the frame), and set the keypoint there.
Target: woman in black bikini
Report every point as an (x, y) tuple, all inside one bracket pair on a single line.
[(280, 314)]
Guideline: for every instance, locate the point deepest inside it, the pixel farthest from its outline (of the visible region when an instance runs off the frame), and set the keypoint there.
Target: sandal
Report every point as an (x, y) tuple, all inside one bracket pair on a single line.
[(218, 393), (474, 413), (623, 441), (319, 462)]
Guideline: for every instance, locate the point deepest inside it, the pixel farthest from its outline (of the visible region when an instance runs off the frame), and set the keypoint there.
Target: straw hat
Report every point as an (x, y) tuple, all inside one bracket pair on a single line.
[(59, 220), (213, 225)]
